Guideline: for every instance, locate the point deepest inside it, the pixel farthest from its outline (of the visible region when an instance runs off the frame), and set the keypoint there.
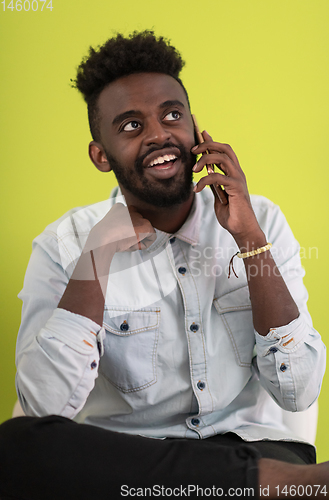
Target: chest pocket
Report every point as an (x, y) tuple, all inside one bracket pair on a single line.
[(130, 348), (235, 311)]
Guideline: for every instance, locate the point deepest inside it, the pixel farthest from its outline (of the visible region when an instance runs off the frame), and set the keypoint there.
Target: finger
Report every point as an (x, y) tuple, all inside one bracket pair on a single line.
[(216, 147), (222, 161), (221, 196), (223, 148), (215, 178)]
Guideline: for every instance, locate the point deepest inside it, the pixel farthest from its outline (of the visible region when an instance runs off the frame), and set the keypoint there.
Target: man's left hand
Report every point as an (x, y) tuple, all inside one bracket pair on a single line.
[(237, 216)]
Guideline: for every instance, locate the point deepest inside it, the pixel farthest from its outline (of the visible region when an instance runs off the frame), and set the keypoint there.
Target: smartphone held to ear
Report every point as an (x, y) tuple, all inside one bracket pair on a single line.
[(216, 188)]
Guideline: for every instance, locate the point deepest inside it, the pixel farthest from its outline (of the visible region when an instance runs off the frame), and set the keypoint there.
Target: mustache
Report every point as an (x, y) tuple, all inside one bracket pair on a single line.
[(139, 161)]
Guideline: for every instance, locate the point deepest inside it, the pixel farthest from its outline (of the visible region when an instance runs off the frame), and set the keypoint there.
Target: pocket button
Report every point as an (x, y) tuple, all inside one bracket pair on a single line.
[(124, 326)]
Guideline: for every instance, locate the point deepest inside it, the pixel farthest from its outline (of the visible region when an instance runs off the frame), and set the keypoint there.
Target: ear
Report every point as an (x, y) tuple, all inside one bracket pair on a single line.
[(98, 157)]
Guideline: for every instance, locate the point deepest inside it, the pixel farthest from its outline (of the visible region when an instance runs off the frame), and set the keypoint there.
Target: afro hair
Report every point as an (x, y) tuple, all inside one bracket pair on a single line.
[(140, 52)]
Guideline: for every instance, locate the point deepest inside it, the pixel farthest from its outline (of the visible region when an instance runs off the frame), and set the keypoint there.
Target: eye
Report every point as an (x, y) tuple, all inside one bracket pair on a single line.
[(173, 115), (130, 126)]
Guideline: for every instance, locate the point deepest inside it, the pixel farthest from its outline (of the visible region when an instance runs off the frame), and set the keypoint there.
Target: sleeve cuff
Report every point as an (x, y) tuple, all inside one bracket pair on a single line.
[(77, 332), (285, 338)]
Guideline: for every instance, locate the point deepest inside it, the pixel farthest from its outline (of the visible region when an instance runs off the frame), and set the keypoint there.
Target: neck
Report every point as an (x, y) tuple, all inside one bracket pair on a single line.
[(167, 219)]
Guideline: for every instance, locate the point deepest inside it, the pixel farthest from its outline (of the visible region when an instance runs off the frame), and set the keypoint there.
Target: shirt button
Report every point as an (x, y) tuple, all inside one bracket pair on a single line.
[(283, 367), (182, 270), (93, 365), (172, 240), (201, 385), (194, 327), (195, 421), (273, 349), (124, 326)]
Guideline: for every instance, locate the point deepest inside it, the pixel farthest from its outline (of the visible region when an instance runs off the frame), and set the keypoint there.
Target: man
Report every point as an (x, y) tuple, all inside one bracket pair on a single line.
[(131, 324)]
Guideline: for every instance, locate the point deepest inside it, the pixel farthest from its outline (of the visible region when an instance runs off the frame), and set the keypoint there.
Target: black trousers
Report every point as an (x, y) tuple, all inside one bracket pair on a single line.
[(53, 458)]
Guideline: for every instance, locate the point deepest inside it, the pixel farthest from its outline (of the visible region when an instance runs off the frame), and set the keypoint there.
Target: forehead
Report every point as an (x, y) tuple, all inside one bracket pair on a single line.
[(141, 92)]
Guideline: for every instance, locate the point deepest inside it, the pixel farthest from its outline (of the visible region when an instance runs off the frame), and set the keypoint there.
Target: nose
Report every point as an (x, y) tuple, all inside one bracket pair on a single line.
[(156, 133)]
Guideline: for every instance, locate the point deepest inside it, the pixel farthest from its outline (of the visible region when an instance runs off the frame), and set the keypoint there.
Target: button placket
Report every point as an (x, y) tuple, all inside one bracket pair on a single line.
[(194, 331)]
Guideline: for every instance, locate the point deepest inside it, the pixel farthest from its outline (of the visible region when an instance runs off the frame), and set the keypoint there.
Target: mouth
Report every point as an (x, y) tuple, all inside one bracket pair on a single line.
[(164, 163), (162, 159), (164, 169)]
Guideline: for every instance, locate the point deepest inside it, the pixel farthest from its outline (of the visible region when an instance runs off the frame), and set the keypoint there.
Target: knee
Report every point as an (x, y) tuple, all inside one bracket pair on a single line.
[(21, 431)]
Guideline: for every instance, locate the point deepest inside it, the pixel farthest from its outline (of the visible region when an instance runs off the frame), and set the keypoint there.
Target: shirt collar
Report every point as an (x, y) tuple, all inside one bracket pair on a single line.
[(190, 230)]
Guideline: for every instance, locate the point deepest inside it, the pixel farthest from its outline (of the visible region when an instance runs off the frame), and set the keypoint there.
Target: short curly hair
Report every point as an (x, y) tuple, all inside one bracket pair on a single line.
[(140, 52)]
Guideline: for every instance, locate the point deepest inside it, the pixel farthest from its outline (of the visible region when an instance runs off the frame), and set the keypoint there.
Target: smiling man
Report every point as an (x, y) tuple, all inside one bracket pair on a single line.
[(146, 136), (131, 325)]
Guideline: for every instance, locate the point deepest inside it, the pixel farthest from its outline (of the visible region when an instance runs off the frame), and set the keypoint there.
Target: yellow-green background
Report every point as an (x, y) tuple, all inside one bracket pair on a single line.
[(257, 75)]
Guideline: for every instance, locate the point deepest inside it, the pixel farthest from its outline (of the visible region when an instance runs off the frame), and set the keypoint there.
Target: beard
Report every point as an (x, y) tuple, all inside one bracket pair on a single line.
[(160, 192)]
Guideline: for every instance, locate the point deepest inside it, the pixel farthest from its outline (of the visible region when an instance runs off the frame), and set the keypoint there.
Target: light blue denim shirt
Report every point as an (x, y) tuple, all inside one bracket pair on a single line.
[(177, 355)]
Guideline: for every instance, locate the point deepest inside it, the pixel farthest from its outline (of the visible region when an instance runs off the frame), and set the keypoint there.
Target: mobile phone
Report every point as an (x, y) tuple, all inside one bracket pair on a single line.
[(216, 188)]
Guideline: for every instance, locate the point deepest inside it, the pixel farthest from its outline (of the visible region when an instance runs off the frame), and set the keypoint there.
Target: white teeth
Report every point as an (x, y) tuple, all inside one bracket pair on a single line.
[(162, 159)]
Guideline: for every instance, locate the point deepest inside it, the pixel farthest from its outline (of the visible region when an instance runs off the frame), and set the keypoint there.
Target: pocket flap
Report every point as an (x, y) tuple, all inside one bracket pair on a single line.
[(233, 301), (125, 322)]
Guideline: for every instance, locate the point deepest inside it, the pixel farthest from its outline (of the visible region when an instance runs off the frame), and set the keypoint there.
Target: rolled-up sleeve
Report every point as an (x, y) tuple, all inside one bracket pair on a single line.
[(58, 352), (291, 359), (58, 370), (291, 362)]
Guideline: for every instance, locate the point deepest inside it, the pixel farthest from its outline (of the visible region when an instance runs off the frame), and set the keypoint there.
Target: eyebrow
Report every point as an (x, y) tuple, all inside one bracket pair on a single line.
[(167, 104), (133, 112), (122, 116)]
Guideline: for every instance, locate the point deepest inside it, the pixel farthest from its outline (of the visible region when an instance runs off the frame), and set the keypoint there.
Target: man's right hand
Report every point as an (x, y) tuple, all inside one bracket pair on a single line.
[(123, 228)]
